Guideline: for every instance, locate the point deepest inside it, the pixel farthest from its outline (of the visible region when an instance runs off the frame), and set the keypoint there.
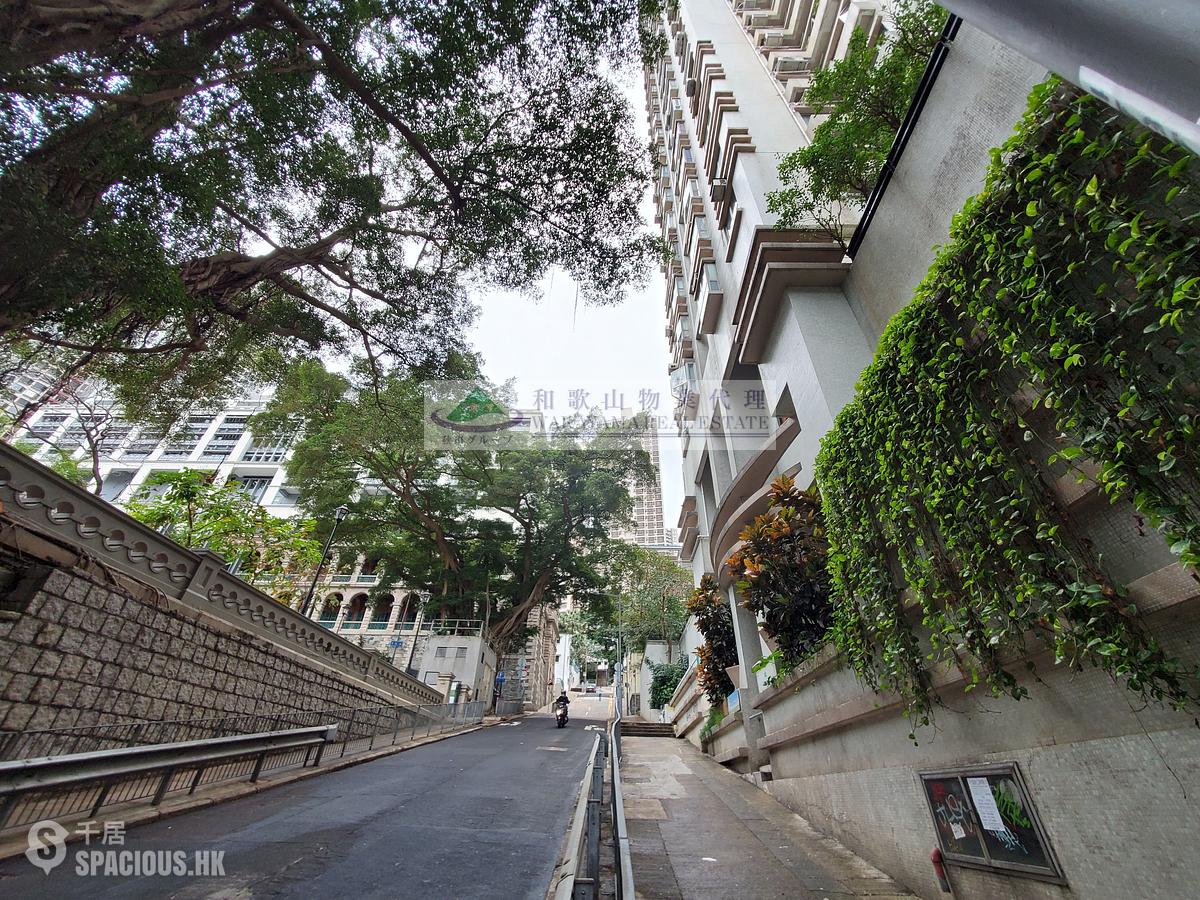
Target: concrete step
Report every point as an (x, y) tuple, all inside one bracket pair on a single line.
[(646, 729)]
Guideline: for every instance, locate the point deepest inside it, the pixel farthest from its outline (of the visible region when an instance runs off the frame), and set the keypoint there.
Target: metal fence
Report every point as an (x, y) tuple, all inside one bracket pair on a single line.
[(358, 728), (509, 707), (587, 868)]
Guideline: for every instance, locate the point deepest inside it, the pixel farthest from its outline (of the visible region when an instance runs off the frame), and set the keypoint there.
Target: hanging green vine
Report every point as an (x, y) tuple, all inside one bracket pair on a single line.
[(780, 567), (719, 650), (1056, 330)]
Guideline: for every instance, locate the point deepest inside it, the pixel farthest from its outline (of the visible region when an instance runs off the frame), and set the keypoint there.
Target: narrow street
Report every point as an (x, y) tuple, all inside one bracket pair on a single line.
[(477, 815)]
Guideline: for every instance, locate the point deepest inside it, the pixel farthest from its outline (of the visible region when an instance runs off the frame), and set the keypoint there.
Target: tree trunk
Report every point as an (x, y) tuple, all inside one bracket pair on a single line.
[(36, 32), (515, 617), (50, 194)]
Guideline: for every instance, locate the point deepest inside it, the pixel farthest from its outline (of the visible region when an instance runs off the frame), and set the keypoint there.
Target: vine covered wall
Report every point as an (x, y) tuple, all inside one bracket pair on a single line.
[(1056, 332)]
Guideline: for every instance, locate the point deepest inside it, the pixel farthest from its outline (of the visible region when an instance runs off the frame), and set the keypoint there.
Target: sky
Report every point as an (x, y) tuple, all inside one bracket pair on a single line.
[(617, 354)]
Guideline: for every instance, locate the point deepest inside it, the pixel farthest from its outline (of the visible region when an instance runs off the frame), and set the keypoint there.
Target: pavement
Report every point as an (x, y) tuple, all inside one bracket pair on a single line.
[(698, 831), (480, 814)]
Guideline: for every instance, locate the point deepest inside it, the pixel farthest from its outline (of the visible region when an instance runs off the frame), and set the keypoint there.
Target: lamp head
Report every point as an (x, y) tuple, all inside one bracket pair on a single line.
[(341, 512)]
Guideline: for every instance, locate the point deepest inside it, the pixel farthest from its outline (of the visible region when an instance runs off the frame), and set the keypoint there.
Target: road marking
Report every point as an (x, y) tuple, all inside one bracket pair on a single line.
[(509, 724), (594, 728), (555, 749)]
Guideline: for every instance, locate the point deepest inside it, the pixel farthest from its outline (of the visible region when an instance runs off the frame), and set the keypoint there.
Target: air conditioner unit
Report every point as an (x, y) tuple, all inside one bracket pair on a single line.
[(718, 190), (690, 87), (783, 64)]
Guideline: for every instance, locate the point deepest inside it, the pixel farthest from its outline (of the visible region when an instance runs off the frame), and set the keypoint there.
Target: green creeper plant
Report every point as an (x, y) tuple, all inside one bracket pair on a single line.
[(665, 677), (1055, 336)]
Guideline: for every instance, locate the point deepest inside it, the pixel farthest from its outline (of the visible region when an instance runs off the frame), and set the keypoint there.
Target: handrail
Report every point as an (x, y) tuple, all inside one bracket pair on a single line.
[(58, 786), (358, 724), (624, 863), (562, 885)]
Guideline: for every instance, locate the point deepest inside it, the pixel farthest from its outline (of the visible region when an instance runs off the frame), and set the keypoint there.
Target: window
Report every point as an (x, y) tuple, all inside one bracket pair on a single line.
[(286, 496), (984, 818), (115, 483), (254, 485), (182, 444), (228, 433), (460, 652), (440, 652), (431, 678), (45, 427)]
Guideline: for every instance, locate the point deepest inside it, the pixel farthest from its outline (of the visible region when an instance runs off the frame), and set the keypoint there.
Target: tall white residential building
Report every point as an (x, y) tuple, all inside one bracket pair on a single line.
[(769, 328)]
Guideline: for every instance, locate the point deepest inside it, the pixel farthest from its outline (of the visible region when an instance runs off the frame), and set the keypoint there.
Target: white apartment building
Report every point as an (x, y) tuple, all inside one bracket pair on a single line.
[(765, 346), (768, 328)]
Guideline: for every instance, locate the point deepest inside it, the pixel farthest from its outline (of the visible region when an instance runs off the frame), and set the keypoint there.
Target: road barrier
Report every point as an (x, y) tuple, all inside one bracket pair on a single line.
[(358, 727), (578, 875), (620, 836), (62, 786)]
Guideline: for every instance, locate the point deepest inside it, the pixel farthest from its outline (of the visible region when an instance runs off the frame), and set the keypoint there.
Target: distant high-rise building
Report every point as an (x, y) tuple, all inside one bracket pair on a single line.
[(647, 498)]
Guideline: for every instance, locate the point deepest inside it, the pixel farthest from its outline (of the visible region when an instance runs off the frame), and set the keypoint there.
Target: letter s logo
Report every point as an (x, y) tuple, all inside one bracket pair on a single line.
[(47, 844)]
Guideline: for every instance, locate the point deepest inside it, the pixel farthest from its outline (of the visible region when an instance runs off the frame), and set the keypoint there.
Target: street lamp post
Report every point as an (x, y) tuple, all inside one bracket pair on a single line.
[(338, 515)]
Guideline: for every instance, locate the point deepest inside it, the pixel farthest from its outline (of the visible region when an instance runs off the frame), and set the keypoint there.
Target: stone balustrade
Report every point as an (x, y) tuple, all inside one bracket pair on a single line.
[(37, 499)]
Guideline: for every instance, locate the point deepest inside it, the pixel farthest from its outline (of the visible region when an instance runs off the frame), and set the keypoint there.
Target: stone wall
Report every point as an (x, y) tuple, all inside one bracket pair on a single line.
[(81, 649)]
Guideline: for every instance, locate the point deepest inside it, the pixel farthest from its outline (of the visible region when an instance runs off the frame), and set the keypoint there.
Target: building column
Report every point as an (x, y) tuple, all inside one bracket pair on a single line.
[(395, 616), (749, 650)]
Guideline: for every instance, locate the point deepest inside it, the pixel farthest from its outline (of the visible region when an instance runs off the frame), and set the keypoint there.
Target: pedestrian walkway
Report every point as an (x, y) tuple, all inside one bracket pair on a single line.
[(697, 830)]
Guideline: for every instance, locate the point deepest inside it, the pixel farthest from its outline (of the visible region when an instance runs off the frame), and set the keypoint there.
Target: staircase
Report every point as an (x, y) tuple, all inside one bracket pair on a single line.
[(641, 728)]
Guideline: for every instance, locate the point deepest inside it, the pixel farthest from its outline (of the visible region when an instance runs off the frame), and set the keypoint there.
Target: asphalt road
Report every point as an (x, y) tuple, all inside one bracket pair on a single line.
[(477, 815)]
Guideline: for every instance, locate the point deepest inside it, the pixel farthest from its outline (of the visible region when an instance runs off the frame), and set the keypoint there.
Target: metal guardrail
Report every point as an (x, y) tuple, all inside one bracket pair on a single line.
[(586, 886), (372, 726), (62, 786), (623, 864)]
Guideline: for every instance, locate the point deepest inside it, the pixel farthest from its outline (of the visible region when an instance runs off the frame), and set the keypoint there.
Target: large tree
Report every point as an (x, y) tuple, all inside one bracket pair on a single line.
[(192, 192), (865, 96), (487, 533), (651, 592)]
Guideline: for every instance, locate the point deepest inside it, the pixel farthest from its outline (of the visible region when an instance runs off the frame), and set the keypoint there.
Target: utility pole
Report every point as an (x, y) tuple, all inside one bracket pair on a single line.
[(338, 515)]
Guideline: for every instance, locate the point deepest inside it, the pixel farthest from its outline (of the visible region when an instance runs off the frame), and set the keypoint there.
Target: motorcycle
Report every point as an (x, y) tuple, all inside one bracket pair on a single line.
[(560, 716)]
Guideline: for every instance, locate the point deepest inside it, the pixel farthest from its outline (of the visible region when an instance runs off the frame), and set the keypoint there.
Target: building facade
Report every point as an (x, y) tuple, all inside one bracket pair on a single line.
[(780, 324)]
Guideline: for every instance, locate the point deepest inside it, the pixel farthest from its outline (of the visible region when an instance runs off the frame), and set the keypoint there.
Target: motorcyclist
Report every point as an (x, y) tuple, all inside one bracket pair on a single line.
[(563, 701)]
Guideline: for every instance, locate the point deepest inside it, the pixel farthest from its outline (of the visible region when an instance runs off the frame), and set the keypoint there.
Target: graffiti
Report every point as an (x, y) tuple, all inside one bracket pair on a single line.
[(952, 813), (1008, 804), (1010, 841)]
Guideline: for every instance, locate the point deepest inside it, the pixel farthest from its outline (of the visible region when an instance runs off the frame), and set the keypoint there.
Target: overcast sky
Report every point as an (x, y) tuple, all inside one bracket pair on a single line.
[(558, 345)]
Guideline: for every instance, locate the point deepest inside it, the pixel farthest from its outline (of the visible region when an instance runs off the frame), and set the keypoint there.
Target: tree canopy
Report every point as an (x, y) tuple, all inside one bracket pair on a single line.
[(193, 193), (865, 96), (486, 533), (190, 507)]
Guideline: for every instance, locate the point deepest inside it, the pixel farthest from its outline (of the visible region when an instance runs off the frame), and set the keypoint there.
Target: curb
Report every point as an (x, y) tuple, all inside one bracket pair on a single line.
[(13, 846)]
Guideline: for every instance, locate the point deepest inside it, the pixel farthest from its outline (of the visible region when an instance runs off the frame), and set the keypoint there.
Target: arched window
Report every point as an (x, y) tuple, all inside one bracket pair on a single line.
[(358, 608)]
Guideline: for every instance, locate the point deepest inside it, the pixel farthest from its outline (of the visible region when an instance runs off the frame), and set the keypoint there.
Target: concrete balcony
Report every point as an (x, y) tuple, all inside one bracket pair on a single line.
[(746, 496), (709, 301)]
